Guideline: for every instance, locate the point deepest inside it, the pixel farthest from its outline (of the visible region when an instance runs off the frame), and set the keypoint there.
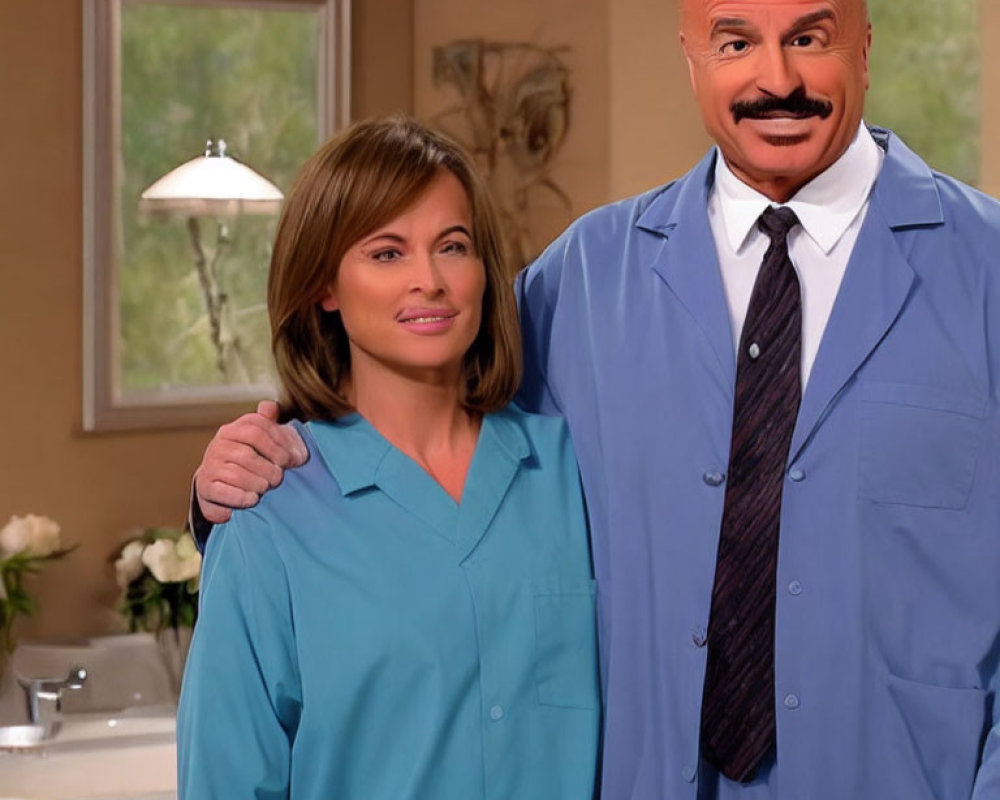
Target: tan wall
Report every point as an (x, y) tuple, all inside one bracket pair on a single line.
[(656, 134), (382, 57), (96, 486)]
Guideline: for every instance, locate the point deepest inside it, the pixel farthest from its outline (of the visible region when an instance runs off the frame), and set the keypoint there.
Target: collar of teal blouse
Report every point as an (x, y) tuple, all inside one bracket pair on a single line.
[(357, 454), (359, 457)]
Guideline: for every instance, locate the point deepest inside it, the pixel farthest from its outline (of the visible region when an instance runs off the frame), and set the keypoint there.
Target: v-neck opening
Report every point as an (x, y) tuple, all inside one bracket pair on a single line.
[(375, 462), (396, 454)]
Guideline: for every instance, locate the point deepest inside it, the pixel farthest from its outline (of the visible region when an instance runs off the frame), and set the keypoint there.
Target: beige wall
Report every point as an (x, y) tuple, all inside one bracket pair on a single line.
[(655, 132), (989, 174), (96, 486)]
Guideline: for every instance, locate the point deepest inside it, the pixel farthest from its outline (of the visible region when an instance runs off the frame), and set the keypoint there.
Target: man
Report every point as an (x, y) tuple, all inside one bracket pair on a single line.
[(856, 655)]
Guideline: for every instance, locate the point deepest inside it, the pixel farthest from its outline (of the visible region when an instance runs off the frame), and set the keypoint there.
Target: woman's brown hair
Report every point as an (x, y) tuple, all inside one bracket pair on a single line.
[(357, 182)]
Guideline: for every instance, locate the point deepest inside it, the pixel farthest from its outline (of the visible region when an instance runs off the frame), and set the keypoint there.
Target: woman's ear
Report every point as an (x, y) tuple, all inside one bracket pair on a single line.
[(329, 301)]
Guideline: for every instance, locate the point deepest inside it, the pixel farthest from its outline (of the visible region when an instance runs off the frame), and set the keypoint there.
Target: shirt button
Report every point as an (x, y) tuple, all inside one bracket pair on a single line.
[(753, 351), (688, 774), (713, 478), (791, 701), (796, 474), (496, 713), (795, 588)]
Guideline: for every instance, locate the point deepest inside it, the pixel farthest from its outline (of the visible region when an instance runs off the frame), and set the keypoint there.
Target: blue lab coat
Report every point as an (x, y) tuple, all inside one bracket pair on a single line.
[(888, 612)]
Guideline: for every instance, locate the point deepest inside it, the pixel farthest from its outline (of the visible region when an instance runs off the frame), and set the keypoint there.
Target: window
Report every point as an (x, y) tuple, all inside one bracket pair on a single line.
[(163, 77)]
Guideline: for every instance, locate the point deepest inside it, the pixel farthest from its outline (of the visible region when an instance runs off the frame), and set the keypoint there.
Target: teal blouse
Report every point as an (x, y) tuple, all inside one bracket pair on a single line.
[(363, 637)]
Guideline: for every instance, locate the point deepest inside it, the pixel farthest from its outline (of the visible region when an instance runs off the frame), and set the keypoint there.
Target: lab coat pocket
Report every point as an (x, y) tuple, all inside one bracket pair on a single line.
[(919, 444), (941, 733), (566, 644)]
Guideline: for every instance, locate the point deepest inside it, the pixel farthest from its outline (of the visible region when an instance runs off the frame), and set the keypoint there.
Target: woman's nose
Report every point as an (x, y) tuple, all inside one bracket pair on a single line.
[(426, 275)]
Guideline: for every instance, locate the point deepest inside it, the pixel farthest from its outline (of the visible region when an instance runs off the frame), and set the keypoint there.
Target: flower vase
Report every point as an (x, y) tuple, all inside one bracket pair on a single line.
[(174, 644), (4, 662), (12, 705)]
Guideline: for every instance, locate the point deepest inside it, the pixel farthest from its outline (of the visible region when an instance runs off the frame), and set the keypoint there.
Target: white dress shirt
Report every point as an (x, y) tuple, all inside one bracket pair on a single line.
[(831, 208)]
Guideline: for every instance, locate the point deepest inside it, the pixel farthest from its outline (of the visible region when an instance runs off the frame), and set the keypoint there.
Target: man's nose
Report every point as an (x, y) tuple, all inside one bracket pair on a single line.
[(777, 75)]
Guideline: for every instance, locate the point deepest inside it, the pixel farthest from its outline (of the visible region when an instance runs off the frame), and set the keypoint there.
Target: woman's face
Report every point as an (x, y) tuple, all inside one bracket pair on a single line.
[(410, 294)]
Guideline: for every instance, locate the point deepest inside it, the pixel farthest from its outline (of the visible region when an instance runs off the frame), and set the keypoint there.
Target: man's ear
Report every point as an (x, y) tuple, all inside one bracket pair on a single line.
[(687, 58), (867, 53), (329, 302)]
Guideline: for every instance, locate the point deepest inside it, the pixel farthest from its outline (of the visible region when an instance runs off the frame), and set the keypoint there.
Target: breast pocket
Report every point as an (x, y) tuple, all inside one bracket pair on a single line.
[(566, 644), (919, 444)]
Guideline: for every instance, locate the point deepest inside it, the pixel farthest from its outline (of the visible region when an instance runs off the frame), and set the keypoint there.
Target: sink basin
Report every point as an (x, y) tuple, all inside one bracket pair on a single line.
[(90, 756), (17, 737), (82, 731)]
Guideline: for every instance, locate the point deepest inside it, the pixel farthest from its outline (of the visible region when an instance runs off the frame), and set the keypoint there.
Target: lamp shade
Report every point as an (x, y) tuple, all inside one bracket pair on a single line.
[(214, 185)]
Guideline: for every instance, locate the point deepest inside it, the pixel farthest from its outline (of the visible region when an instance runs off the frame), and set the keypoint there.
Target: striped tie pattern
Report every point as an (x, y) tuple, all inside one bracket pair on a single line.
[(738, 711)]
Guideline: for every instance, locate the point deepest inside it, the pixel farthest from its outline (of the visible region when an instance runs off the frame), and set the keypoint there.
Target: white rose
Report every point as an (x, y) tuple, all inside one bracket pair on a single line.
[(128, 565), (31, 533), (172, 562), (187, 551)]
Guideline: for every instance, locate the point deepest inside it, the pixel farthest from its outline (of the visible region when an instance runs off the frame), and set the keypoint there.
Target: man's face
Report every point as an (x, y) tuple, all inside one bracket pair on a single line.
[(781, 83)]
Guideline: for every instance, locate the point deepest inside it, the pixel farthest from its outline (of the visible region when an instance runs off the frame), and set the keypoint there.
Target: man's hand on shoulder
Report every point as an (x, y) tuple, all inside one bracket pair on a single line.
[(245, 458)]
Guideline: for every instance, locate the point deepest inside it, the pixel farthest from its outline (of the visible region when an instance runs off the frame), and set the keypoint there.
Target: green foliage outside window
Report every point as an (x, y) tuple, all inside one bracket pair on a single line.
[(925, 69), (189, 73)]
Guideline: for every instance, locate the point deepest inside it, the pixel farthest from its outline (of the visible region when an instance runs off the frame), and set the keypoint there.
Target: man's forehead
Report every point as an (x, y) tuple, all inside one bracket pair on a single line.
[(706, 11)]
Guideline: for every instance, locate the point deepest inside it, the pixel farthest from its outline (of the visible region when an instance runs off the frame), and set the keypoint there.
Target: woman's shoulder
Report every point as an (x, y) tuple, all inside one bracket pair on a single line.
[(242, 548), (314, 481)]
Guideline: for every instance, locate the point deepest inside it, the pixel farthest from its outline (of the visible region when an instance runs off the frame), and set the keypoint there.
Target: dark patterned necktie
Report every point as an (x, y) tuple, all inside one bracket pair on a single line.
[(738, 716)]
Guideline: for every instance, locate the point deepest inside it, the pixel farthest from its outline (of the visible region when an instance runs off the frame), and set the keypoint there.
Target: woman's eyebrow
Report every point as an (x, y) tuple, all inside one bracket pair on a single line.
[(375, 237), (454, 229)]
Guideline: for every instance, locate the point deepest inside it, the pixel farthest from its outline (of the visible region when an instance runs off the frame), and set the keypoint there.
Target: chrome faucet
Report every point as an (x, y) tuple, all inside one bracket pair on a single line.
[(44, 695)]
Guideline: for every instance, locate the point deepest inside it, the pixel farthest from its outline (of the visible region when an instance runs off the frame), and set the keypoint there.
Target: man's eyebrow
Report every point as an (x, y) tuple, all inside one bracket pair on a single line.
[(808, 20), (725, 23), (805, 21)]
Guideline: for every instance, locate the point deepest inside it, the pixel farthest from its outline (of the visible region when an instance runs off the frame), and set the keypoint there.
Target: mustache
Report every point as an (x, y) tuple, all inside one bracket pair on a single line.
[(798, 103)]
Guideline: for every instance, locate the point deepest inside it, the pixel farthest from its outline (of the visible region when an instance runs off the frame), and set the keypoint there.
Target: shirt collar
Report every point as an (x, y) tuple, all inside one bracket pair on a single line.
[(357, 454), (825, 206), (350, 447)]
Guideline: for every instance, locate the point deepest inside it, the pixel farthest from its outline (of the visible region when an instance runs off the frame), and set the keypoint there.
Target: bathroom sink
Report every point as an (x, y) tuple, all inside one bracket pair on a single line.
[(83, 731), (18, 737), (90, 756)]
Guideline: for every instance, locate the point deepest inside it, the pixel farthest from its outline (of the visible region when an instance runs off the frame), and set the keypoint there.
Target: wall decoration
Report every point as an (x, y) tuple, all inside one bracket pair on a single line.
[(512, 111)]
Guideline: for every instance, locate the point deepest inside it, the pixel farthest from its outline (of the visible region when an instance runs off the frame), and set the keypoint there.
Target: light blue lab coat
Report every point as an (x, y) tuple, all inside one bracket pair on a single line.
[(888, 611), (362, 637)]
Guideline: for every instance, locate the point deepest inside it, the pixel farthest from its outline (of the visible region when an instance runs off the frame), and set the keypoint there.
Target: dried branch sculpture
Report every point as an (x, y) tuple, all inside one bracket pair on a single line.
[(513, 114)]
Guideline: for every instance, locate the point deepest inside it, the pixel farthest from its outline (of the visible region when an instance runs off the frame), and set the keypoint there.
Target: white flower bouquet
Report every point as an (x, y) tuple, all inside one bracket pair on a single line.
[(157, 571), (26, 544)]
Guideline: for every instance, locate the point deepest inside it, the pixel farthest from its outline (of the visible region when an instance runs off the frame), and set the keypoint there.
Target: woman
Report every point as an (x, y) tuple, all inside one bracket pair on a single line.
[(410, 614)]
